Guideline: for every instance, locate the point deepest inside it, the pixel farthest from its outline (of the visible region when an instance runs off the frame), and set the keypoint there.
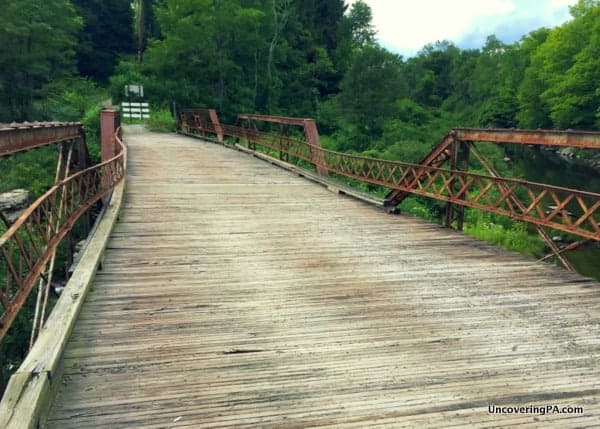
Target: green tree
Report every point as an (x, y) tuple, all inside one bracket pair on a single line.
[(206, 56), (431, 72), (532, 112), (107, 34), (146, 25), (559, 88), (308, 67), (573, 97), (360, 20), (493, 84), (276, 56), (37, 42), (369, 92)]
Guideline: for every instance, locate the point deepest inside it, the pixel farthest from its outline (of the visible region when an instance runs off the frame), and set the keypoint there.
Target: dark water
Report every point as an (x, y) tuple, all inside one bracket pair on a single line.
[(549, 168)]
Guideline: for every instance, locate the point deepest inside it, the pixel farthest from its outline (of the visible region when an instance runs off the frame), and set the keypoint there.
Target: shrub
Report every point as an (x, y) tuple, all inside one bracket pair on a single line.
[(161, 120)]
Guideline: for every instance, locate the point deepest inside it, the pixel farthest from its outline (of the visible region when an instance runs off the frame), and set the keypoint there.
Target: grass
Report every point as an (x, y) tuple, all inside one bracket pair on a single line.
[(515, 237)]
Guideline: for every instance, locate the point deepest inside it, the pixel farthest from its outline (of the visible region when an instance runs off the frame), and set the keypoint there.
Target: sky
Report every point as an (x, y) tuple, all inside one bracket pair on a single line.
[(405, 26)]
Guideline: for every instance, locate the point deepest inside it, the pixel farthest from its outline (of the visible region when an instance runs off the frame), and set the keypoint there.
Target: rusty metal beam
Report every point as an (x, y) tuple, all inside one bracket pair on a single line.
[(435, 158), (543, 234), (20, 137), (311, 134), (275, 119), (212, 113), (203, 121), (568, 138)]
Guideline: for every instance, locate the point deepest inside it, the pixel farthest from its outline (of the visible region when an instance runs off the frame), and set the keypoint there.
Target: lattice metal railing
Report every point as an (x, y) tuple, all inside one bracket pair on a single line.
[(572, 211), (30, 243)]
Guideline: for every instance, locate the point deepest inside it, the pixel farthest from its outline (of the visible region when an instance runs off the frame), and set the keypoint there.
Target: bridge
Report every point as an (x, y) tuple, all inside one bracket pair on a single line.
[(235, 293)]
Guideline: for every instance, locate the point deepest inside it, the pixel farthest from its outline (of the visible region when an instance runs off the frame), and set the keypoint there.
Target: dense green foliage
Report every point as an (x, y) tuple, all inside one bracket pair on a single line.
[(162, 121), (107, 33), (37, 47)]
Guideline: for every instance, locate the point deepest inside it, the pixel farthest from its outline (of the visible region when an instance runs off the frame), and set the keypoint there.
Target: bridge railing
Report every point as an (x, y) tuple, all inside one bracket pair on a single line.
[(30, 243), (569, 210)]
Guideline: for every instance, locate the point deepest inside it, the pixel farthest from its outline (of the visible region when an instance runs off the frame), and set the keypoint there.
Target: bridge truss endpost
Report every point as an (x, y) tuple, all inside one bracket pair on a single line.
[(216, 124), (316, 151), (110, 121)]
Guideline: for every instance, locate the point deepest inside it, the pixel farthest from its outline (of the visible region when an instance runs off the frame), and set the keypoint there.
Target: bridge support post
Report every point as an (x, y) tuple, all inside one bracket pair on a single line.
[(109, 122), (316, 152), (214, 118), (459, 161)]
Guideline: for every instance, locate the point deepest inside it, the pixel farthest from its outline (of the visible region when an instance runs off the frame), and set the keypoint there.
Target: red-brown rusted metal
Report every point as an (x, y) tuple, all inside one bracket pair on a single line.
[(24, 136), (202, 121), (309, 127), (28, 244), (109, 119), (542, 233), (214, 118), (568, 138), (284, 120), (436, 158), (442, 153), (205, 122), (568, 210)]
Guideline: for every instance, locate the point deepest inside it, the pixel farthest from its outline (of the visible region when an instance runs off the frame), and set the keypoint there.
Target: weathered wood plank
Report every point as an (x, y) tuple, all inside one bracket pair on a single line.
[(236, 294)]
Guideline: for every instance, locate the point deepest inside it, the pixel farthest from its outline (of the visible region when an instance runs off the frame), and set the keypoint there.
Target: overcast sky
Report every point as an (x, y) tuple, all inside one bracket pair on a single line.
[(405, 26)]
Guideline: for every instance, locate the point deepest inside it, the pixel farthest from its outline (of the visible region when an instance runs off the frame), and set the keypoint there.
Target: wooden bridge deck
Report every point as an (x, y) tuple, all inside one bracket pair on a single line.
[(237, 294)]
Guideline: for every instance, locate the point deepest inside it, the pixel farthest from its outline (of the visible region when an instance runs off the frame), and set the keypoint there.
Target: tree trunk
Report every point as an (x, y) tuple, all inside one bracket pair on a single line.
[(141, 29), (280, 17), (255, 89)]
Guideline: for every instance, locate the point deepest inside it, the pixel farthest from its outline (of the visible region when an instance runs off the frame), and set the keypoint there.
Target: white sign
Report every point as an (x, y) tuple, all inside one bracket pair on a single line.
[(135, 110), (134, 90)]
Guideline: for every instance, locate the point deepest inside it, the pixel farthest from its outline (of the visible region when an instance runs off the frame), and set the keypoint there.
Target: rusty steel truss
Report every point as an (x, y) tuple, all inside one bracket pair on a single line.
[(568, 210), (19, 137), (29, 245)]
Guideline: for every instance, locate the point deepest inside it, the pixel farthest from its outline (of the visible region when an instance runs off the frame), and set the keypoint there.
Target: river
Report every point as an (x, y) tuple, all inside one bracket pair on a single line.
[(547, 167)]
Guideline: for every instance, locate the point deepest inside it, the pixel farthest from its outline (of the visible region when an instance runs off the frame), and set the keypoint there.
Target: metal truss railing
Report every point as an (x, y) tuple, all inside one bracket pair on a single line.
[(30, 243), (569, 210)]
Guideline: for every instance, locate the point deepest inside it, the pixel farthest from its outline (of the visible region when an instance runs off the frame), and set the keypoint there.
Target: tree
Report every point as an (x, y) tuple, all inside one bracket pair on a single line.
[(432, 72), (360, 21), (369, 92), (559, 89), (573, 97), (206, 53), (37, 41), (146, 25), (107, 34), (281, 12), (309, 68), (532, 111)]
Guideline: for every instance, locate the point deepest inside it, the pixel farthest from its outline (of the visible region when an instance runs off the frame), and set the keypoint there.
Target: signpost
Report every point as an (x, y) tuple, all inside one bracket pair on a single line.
[(136, 109)]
